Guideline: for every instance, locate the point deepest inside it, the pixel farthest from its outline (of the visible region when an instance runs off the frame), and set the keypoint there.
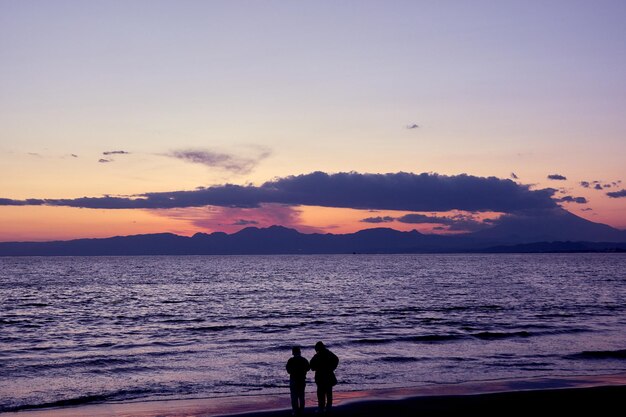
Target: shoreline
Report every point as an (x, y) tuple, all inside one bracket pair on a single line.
[(446, 399)]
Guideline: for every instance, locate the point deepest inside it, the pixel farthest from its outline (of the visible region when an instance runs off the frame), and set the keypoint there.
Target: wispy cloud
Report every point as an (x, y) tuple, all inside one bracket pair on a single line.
[(412, 126), (115, 153), (104, 161), (244, 222), (617, 194), (229, 162), (457, 222), (378, 219), (570, 199)]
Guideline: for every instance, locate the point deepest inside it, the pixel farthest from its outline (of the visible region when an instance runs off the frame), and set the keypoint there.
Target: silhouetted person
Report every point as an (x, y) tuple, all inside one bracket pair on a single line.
[(324, 364), (297, 367)]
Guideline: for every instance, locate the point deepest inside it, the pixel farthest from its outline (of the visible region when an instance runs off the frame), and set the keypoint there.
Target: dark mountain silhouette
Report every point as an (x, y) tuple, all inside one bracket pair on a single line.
[(556, 231), (549, 225)]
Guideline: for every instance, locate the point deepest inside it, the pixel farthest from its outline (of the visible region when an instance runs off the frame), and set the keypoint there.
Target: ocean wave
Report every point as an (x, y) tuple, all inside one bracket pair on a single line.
[(80, 400), (416, 339), (500, 335), (34, 305), (60, 403), (194, 320), (434, 338), (399, 359), (97, 363), (204, 329), (489, 335), (485, 307), (599, 354)]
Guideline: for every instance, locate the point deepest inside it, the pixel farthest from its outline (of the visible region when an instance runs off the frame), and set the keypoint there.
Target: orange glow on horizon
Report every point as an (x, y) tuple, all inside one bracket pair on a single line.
[(40, 223), (45, 223)]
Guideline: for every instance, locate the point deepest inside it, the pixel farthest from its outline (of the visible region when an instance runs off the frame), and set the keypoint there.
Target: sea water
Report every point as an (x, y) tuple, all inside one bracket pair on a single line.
[(103, 329)]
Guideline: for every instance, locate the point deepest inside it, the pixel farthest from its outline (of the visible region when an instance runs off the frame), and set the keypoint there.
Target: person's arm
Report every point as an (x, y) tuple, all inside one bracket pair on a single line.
[(335, 360)]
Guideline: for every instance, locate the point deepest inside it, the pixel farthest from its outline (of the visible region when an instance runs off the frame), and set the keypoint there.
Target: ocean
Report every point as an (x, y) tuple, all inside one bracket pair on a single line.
[(79, 330)]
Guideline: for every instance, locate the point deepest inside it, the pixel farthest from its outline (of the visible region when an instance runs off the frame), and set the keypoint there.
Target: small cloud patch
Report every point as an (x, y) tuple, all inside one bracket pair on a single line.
[(617, 194), (378, 219), (115, 153), (557, 177)]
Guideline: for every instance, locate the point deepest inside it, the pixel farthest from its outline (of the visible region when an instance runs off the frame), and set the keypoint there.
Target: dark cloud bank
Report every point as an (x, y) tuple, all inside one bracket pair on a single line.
[(394, 191)]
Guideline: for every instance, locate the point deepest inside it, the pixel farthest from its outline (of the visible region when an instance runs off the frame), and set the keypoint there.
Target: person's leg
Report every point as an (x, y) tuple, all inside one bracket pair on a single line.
[(294, 397), (301, 397), (329, 397), (321, 397)]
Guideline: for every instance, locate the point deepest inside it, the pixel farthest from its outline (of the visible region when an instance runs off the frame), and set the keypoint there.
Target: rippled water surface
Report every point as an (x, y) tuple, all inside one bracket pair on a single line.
[(81, 329)]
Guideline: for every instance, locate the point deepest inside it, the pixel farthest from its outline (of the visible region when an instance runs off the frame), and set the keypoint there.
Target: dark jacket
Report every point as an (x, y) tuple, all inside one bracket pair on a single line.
[(324, 363), (297, 367)]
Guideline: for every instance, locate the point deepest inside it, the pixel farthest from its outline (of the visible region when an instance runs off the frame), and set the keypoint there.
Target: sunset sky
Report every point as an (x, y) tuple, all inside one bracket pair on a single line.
[(326, 116)]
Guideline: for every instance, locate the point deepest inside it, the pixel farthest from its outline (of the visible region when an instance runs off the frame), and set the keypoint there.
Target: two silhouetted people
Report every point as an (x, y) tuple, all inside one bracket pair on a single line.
[(324, 364), (297, 367)]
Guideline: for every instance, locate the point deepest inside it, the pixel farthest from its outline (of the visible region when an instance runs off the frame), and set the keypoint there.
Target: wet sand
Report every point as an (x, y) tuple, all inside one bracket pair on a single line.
[(588, 395)]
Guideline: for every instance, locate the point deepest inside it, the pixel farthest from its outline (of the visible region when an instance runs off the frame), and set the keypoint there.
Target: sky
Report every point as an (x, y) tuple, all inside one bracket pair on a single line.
[(128, 117)]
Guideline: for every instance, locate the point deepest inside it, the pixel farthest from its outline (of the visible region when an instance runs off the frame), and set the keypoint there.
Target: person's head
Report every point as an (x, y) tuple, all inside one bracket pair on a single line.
[(319, 346), (296, 351)]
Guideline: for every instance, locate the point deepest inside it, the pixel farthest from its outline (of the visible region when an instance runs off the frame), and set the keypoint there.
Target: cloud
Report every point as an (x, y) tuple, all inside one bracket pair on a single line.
[(458, 222), (587, 209), (415, 218), (104, 161), (513, 176), (27, 202), (378, 219), (412, 126), (73, 155), (232, 219), (617, 194), (600, 185), (243, 222), (115, 153), (394, 191), (228, 162), (570, 199), (557, 177)]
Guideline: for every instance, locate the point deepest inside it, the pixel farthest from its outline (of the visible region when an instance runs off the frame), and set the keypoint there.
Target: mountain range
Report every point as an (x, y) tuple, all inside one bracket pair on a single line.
[(558, 231)]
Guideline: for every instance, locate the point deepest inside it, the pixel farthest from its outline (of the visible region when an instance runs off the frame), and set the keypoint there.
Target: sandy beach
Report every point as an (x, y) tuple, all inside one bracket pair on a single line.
[(584, 395)]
